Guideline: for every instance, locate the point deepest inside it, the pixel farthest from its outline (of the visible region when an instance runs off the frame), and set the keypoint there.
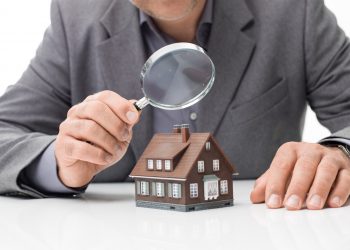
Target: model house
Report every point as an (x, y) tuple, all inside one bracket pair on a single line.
[(184, 172)]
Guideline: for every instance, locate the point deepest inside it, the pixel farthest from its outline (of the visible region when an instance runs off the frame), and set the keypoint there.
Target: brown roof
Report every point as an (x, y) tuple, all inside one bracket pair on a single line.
[(194, 146), (165, 150)]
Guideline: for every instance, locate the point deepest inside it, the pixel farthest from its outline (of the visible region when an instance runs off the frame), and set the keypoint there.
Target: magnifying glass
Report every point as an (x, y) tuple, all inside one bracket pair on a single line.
[(176, 77)]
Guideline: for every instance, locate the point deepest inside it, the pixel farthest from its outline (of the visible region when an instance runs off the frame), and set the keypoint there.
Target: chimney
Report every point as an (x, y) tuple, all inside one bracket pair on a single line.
[(185, 132), (177, 129)]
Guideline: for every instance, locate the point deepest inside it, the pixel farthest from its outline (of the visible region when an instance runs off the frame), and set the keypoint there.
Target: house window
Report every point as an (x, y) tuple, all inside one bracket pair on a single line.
[(193, 190), (176, 190), (200, 166), (167, 165), (150, 164), (207, 146), (216, 165), (223, 187), (144, 188), (159, 164), (160, 189)]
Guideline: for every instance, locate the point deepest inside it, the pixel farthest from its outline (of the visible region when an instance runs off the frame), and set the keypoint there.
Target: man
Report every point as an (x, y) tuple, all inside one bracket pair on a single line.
[(60, 128)]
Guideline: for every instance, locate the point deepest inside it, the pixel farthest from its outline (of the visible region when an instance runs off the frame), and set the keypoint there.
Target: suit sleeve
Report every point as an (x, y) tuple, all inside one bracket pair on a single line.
[(41, 175), (327, 63), (32, 109)]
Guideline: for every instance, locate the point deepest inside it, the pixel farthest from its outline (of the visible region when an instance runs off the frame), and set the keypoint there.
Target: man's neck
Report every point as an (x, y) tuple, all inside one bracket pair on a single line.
[(183, 30)]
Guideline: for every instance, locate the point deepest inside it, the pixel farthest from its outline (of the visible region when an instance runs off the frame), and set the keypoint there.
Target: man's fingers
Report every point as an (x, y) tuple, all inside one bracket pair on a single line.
[(89, 130), (83, 151), (325, 176), (280, 171), (303, 175), (122, 107), (341, 189), (101, 113), (258, 193)]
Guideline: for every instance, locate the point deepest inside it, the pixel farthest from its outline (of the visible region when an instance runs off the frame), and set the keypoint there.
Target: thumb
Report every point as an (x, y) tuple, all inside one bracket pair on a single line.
[(258, 193), (138, 111)]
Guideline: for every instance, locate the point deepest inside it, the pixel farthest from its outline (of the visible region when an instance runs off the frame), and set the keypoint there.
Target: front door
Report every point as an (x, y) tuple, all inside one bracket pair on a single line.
[(211, 187)]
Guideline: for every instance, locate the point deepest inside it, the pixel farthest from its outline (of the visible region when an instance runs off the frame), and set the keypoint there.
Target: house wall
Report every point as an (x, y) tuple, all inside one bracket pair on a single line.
[(195, 177), (166, 198)]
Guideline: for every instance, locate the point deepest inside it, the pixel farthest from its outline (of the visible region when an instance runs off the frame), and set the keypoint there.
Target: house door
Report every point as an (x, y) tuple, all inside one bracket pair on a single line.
[(211, 187)]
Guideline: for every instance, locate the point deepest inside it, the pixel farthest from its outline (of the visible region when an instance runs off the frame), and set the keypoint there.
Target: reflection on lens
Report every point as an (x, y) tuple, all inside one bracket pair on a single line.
[(178, 77)]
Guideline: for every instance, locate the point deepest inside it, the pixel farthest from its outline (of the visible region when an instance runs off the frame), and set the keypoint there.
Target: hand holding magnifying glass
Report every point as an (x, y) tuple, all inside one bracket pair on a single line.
[(176, 77)]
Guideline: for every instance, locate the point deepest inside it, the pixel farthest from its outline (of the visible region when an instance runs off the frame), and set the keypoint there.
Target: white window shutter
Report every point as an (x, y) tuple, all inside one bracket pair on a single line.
[(138, 187), (153, 189)]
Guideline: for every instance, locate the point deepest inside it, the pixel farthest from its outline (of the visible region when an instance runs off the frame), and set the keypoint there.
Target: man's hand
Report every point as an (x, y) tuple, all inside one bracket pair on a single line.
[(305, 172), (95, 135)]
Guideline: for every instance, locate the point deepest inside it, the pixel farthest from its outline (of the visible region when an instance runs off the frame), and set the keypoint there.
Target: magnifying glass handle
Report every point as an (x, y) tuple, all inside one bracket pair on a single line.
[(140, 104)]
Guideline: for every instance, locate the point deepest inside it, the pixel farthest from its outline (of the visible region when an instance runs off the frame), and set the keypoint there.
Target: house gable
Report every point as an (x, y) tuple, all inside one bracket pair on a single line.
[(198, 178), (213, 159)]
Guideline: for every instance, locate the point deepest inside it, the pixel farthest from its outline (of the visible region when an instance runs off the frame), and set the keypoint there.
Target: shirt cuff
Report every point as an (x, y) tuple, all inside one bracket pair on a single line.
[(335, 140), (42, 175)]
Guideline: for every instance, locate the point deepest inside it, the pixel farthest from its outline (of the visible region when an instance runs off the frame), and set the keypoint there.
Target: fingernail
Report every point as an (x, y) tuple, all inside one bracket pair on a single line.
[(315, 201), (274, 201), (125, 134), (132, 116), (336, 201), (109, 158), (293, 202)]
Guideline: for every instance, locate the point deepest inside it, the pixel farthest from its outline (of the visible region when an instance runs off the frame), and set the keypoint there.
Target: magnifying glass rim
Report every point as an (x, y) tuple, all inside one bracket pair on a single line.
[(164, 51)]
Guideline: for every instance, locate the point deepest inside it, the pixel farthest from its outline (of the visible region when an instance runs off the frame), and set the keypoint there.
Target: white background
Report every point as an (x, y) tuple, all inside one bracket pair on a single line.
[(23, 22)]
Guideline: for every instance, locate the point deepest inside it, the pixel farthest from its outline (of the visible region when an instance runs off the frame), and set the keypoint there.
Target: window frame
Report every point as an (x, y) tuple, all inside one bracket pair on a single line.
[(148, 164), (177, 192), (159, 165), (193, 190), (207, 146), (160, 189), (144, 188), (224, 187), (216, 165), (200, 167), (167, 165)]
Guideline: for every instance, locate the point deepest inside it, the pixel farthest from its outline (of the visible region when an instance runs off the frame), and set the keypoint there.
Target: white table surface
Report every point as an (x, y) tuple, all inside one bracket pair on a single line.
[(106, 218)]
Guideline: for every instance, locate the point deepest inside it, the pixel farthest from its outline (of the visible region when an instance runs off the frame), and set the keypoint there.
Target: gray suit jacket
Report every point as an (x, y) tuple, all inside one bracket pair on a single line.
[(271, 56)]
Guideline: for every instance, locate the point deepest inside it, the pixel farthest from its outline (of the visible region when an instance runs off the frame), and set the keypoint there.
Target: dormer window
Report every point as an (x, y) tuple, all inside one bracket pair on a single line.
[(207, 146), (159, 164), (200, 166), (167, 165), (150, 164), (216, 165)]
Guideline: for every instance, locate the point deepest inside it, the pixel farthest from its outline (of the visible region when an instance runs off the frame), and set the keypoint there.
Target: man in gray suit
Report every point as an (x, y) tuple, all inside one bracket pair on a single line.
[(272, 58)]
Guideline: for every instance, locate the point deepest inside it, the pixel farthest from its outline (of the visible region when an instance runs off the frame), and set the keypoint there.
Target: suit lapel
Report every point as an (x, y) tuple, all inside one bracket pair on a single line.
[(121, 59), (122, 56), (230, 49)]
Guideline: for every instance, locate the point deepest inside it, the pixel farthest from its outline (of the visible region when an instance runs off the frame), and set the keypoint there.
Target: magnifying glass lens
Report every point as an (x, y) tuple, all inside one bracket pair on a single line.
[(177, 77)]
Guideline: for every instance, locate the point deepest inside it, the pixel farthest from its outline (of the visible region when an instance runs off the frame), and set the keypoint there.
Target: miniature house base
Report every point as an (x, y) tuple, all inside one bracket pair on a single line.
[(185, 208)]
